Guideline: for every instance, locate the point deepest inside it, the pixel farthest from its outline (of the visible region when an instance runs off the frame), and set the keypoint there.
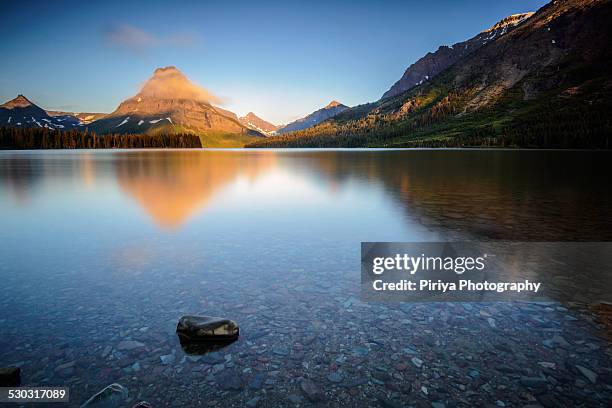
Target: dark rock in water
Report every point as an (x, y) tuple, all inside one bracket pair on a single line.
[(206, 329), (114, 395), (10, 377), (204, 334), (142, 404), (312, 391)]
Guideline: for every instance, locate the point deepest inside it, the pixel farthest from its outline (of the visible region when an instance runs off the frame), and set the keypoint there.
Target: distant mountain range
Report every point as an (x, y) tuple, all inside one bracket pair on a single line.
[(83, 117), (22, 113), (540, 79), (254, 122), (532, 80), (168, 103), (165, 104), (329, 111)]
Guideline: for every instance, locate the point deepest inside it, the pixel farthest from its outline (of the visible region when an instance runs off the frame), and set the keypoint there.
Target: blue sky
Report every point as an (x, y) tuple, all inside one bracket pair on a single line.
[(281, 60)]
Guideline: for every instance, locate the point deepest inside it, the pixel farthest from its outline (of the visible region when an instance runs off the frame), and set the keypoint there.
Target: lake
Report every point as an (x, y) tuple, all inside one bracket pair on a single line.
[(103, 251)]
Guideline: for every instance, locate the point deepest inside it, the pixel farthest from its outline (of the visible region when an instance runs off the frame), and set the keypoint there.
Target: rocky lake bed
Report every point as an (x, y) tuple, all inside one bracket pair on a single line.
[(303, 342)]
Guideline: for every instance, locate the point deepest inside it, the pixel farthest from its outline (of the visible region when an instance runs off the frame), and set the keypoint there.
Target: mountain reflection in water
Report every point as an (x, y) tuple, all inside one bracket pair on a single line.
[(172, 187), (501, 195)]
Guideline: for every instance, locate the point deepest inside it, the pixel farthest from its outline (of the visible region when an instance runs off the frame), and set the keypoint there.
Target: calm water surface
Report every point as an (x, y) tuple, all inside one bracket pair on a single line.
[(102, 252)]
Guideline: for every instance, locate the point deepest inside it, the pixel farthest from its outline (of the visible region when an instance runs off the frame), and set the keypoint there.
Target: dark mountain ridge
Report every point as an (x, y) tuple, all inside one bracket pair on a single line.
[(434, 62), (546, 83)]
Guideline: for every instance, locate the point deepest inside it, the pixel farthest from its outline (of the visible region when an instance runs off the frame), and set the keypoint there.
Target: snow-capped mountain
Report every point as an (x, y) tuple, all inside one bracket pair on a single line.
[(332, 109), (435, 62), (83, 117), (169, 102), (22, 113), (254, 122)]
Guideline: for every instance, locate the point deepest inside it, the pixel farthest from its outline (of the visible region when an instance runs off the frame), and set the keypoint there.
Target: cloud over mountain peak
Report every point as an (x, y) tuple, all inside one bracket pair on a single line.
[(170, 83)]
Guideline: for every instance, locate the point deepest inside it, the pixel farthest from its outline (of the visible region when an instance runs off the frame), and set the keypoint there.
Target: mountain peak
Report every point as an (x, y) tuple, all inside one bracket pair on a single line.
[(170, 83), (19, 102), (170, 101), (333, 104), (254, 122), (510, 21), (22, 113)]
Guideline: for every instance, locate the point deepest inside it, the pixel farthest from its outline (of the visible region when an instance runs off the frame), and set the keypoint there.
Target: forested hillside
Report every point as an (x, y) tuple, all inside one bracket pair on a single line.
[(545, 84)]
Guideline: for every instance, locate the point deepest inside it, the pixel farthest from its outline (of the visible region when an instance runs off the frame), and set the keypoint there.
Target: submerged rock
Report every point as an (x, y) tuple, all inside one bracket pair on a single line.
[(212, 358), (587, 373), (142, 404), (207, 329), (167, 359), (257, 381), (253, 402), (10, 377), (230, 380), (335, 377), (127, 345), (312, 391), (114, 395)]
